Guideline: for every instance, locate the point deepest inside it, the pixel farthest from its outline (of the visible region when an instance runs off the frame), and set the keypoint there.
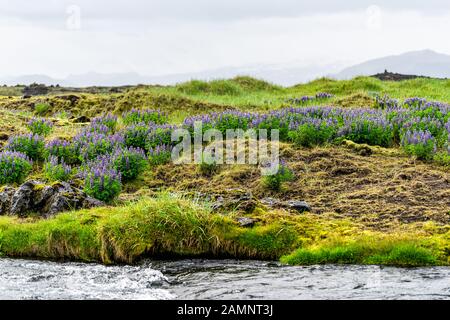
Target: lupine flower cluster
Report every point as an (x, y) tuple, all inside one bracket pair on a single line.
[(56, 169), (101, 180), (447, 127), (109, 120), (130, 162), (63, 150), (314, 132), (419, 143), (301, 101), (159, 135), (160, 154), (415, 102), (324, 95), (313, 125), (222, 121), (146, 116), (30, 144), (370, 128), (385, 102), (14, 167), (91, 144), (307, 99), (40, 126), (136, 135)]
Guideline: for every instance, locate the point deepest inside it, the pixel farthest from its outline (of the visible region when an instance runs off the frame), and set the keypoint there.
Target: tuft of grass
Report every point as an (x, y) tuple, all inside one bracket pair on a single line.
[(406, 253), (41, 108)]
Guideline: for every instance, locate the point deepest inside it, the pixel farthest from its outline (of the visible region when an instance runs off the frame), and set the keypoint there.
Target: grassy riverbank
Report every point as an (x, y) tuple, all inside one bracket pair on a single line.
[(172, 226)]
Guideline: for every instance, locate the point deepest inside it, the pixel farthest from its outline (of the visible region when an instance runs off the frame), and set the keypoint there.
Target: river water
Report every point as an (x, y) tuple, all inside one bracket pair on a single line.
[(217, 279)]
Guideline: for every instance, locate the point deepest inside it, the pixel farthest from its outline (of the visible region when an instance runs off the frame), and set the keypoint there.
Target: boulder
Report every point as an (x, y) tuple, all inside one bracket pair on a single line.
[(298, 205), (70, 97), (47, 200), (246, 222), (80, 119), (235, 199), (6, 194), (4, 136)]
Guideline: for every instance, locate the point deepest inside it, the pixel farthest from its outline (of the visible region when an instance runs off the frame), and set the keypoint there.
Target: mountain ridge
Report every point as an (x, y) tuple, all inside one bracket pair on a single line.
[(425, 63)]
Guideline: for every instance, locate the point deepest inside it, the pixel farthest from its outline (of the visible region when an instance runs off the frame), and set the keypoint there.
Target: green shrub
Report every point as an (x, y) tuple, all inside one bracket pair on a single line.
[(101, 180), (41, 108), (129, 162), (275, 181), (159, 155), (376, 131), (64, 150), (14, 167), (32, 145), (40, 127), (147, 116), (442, 158), (208, 166), (57, 170), (159, 135), (136, 136), (421, 144), (109, 120), (309, 135)]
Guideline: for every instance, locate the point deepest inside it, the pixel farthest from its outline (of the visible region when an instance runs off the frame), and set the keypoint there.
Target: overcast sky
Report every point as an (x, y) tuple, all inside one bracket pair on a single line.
[(58, 37)]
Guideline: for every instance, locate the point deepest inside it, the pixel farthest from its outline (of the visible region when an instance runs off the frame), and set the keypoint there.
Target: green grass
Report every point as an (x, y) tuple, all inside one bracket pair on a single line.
[(245, 93), (169, 225), (406, 253), (155, 226)]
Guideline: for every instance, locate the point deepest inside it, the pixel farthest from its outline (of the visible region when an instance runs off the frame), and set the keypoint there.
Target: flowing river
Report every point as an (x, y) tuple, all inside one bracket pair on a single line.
[(217, 279)]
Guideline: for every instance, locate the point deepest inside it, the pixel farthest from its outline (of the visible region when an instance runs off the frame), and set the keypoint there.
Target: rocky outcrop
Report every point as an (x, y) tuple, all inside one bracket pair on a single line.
[(296, 205), (234, 200), (246, 222), (47, 200)]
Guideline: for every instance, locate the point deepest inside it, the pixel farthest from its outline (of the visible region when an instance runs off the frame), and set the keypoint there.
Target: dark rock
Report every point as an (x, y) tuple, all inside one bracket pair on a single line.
[(246, 222), (219, 203), (89, 202), (300, 206), (5, 199), (22, 199), (70, 97), (4, 136), (271, 202), (296, 205), (235, 199), (81, 119), (47, 200), (392, 76)]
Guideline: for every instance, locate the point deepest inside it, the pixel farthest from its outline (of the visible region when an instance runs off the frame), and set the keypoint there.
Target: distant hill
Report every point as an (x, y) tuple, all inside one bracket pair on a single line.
[(280, 74), (422, 63), (417, 63)]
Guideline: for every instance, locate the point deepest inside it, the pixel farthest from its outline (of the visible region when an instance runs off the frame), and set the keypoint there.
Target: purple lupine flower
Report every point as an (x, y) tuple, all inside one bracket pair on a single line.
[(146, 116), (423, 137), (324, 95), (40, 126)]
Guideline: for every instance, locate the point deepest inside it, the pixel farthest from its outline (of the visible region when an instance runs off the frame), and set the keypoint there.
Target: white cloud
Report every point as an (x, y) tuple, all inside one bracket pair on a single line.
[(108, 42)]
